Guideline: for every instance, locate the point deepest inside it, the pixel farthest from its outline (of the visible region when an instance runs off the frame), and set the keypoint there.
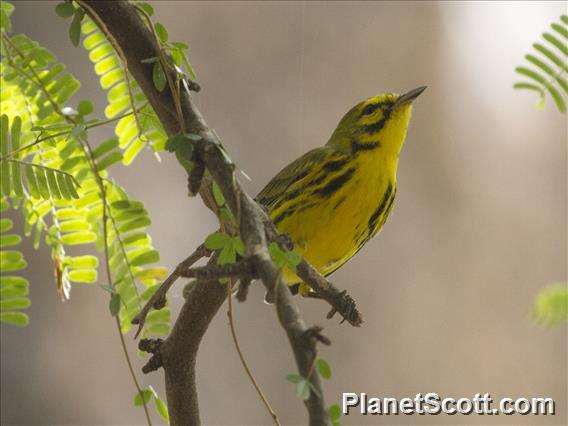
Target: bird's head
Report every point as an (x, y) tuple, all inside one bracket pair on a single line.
[(379, 122)]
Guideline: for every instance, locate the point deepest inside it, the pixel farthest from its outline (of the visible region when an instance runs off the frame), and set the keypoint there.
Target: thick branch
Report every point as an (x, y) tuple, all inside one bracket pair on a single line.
[(178, 352)]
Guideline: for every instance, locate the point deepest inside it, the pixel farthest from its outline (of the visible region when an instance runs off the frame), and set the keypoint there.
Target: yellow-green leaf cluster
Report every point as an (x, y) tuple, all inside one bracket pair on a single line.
[(547, 66)]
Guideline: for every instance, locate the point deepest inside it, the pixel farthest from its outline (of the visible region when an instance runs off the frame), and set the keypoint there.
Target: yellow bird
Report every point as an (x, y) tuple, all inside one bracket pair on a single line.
[(335, 198)]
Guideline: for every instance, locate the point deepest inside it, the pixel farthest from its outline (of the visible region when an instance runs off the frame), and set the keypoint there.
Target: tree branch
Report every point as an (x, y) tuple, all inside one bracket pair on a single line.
[(178, 352)]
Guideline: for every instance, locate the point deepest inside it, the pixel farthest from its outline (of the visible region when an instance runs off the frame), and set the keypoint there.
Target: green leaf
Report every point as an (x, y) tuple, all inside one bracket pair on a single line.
[(53, 187), (183, 149), (138, 223), (105, 147), (303, 389), (162, 315), (6, 225), (17, 180), (16, 132), (159, 77), (14, 303), (10, 240), (83, 275), (334, 412), (529, 86), (284, 258), (227, 255), (217, 241), (12, 260), (556, 43), (323, 368), (560, 29), (42, 183), (551, 305), (180, 45), (293, 259), (150, 256), (158, 329), (157, 273), (550, 55), (62, 183), (146, 7), (114, 305), (6, 292), (32, 181), (146, 395), (107, 288), (6, 10), (13, 281), (75, 28), (161, 32), (14, 318), (217, 194), (71, 186), (76, 238), (109, 160), (87, 261), (85, 107), (238, 245), (551, 89), (5, 177), (4, 132), (161, 408), (294, 378), (65, 10)]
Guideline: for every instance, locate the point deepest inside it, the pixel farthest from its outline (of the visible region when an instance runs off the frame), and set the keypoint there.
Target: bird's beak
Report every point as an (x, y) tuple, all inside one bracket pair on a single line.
[(409, 96)]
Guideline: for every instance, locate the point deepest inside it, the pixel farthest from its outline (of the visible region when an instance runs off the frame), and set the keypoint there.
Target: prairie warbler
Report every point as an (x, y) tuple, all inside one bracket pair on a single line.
[(335, 198)]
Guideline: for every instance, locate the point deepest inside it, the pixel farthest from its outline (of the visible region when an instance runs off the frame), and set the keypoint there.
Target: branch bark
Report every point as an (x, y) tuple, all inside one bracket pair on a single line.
[(179, 351)]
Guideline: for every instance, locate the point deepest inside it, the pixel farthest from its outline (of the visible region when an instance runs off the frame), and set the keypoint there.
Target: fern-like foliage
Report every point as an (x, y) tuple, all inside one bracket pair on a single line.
[(13, 288), (62, 185), (548, 66), (43, 182), (134, 131), (551, 306)]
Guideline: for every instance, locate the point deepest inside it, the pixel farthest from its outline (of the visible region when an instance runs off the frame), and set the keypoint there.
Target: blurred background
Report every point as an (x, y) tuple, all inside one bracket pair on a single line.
[(446, 289)]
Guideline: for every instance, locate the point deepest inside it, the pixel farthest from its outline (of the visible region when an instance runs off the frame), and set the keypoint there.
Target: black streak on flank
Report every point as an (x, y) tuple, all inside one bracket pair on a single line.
[(283, 216), (299, 177), (335, 165), (334, 184), (357, 147), (381, 209)]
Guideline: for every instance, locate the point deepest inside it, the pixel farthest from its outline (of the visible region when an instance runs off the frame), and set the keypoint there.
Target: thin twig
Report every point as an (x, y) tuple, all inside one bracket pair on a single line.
[(158, 299), (132, 373), (165, 68), (242, 357)]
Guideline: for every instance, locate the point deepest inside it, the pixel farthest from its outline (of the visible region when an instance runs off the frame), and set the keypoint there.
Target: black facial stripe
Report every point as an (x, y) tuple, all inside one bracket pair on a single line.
[(377, 126), (357, 146), (369, 109)]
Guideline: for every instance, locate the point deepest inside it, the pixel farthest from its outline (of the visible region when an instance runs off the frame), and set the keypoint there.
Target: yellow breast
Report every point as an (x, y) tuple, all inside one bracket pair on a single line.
[(340, 214)]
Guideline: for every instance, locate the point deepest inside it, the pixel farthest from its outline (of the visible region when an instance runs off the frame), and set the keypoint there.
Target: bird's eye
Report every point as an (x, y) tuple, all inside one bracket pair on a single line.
[(369, 109)]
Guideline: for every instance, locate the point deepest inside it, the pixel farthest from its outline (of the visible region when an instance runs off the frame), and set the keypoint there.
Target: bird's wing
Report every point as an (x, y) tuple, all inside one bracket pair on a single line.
[(297, 173)]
